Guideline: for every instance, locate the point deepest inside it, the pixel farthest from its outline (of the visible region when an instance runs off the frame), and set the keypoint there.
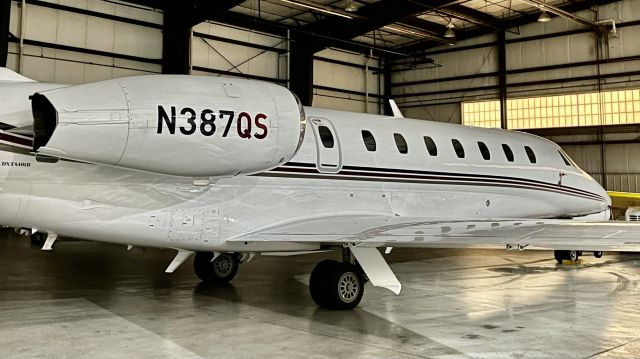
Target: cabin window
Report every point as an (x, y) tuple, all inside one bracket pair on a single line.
[(431, 146), (326, 136), (530, 154), (507, 152), (369, 140), (401, 143), (484, 151), (565, 158), (457, 146)]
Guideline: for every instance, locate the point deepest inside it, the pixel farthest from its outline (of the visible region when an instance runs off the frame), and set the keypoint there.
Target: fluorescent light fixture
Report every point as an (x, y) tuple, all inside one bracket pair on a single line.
[(317, 7), (449, 33), (351, 6), (403, 30), (544, 17)]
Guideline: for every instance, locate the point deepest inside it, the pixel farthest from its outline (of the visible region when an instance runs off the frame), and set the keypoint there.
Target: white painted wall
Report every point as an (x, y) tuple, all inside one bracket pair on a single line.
[(348, 78), (238, 58), (90, 32)]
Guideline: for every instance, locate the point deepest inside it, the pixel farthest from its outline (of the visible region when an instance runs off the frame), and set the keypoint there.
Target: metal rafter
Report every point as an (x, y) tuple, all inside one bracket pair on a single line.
[(515, 22), (378, 15), (560, 12), (473, 16)]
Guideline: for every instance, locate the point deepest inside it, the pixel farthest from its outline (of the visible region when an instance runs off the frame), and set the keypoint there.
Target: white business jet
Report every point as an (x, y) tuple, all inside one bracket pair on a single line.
[(229, 168)]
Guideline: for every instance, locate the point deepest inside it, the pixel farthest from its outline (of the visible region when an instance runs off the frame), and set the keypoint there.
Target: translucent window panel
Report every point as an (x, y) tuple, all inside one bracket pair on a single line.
[(571, 110)]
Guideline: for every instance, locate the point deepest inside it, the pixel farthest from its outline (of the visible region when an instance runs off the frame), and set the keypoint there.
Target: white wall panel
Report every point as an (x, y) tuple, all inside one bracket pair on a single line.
[(220, 55), (347, 78), (60, 27)]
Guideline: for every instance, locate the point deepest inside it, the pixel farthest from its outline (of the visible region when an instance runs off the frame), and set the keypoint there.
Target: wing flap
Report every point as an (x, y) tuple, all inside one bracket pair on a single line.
[(426, 233)]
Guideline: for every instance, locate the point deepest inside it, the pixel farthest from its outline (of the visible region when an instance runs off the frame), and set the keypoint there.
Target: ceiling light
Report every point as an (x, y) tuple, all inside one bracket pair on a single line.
[(403, 30), (351, 6), (317, 7), (544, 17), (449, 33)]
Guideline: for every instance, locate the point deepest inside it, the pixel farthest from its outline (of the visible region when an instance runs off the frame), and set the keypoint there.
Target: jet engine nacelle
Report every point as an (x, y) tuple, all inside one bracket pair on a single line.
[(171, 124)]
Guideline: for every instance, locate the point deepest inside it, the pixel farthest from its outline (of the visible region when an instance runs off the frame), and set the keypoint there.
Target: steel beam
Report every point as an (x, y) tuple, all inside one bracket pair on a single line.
[(301, 71), (386, 72), (502, 77), (570, 7), (561, 12), (5, 19), (176, 37)]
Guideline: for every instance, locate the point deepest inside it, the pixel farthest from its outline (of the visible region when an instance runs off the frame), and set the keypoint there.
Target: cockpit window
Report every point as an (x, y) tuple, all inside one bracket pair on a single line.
[(565, 158)]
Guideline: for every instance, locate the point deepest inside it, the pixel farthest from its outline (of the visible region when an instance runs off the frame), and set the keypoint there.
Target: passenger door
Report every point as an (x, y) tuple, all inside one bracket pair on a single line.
[(329, 159)]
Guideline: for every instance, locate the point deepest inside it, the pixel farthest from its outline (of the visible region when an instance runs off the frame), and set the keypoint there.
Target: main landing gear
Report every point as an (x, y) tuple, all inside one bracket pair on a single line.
[(219, 269), (337, 285), (572, 255), (38, 238)]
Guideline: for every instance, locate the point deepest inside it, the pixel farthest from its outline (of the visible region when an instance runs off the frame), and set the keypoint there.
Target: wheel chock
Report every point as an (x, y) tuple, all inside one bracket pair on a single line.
[(569, 262)]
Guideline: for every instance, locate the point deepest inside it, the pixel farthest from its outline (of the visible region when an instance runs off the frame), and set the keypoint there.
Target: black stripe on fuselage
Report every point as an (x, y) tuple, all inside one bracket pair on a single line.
[(425, 177), (412, 173), (5, 126)]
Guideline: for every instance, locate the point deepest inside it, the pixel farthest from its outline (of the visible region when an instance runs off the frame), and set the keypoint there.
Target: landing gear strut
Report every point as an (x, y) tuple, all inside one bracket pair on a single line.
[(222, 269), (336, 285)]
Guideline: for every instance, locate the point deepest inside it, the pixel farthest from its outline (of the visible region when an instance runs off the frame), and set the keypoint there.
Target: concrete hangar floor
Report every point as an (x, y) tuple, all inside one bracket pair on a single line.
[(93, 300)]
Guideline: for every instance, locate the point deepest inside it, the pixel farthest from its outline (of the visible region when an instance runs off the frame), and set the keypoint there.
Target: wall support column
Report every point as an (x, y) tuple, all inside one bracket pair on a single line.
[(386, 89), (301, 71), (176, 37), (502, 77), (5, 19)]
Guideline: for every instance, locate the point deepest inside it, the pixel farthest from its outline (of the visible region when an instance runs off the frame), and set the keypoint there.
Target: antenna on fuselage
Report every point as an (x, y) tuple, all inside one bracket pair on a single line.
[(395, 109)]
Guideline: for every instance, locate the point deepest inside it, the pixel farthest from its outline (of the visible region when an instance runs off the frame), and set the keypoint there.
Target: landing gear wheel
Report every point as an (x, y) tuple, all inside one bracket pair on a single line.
[(568, 255), (336, 285), (560, 256), (597, 254), (220, 270), (573, 255), (38, 238)]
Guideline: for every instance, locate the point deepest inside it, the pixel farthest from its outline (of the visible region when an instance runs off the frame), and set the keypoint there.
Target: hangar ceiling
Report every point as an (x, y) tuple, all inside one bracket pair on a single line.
[(392, 28)]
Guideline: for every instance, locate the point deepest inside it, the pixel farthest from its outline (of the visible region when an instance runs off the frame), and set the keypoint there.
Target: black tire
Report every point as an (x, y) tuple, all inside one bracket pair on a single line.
[(597, 254), (336, 285), (221, 270), (560, 256), (573, 255), (38, 238)]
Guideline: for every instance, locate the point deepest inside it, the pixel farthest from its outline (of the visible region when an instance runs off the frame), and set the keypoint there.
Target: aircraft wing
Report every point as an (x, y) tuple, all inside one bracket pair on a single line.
[(624, 199), (375, 231)]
